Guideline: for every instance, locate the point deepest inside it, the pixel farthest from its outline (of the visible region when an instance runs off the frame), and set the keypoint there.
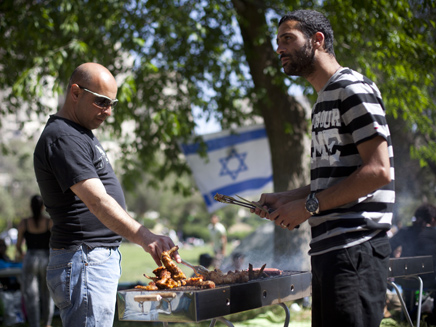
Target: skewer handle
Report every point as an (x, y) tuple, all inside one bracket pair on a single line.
[(153, 297), (147, 298)]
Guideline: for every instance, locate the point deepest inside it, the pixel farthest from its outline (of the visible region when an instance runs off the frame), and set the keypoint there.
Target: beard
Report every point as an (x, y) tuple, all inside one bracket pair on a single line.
[(301, 62)]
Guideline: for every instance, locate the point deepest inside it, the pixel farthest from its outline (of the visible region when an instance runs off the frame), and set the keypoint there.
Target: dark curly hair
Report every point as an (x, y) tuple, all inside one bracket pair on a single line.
[(310, 22), (426, 212)]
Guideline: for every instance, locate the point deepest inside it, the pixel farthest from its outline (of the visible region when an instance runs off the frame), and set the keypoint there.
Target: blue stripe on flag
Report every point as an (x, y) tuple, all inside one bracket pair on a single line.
[(255, 183), (226, 141)]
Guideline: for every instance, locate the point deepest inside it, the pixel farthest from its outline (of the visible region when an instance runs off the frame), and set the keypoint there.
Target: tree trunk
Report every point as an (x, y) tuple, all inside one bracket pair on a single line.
[(285, 123)]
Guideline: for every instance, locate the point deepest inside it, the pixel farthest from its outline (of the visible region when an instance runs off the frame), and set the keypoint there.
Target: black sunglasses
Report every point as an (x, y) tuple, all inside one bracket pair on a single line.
[(101, 101)]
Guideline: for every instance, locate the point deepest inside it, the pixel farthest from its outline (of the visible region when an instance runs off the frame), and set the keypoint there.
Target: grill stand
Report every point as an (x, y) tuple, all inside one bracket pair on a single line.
[(193, 305), (228, 323), (403, 305), (410, 267)]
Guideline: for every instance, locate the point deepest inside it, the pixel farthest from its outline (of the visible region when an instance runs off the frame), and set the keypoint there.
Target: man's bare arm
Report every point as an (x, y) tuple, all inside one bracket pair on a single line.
[(373, 174), (93, 193)]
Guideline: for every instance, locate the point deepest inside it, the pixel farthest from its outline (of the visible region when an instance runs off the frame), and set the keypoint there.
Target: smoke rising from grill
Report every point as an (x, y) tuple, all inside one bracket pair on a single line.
[(258, 249)]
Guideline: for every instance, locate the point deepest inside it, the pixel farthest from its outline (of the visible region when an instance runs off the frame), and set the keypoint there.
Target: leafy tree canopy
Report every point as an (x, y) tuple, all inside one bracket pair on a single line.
[(171, 56)]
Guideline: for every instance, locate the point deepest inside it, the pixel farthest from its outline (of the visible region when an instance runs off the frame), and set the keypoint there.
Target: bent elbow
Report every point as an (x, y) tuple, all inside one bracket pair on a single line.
[(384, 175)]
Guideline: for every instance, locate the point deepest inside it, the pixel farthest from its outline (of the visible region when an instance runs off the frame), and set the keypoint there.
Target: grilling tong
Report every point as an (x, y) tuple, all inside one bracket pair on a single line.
[(199, 270), (242, 202)]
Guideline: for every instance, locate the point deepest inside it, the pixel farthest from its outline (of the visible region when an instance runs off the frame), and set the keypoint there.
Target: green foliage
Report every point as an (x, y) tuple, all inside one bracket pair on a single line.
[(148, 223), (7, 211), (196, 230), (20, 183), (171, 56), (395, 47)]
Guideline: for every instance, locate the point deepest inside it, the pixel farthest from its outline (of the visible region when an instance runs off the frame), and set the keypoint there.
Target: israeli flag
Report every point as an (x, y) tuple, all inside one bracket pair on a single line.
[(238, 162)]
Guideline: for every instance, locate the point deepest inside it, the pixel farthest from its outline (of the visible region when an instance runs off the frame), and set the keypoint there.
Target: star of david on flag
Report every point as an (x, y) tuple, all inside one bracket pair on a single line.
[(238, 162), (226, 169)]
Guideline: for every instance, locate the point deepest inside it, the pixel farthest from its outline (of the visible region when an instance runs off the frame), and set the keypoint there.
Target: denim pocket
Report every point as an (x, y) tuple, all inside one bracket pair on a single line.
[(98, 256), (104, 260), (59, 282)]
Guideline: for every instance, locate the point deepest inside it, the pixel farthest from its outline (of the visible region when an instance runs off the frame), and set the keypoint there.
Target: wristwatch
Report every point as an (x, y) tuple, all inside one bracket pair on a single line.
[(312, 204)]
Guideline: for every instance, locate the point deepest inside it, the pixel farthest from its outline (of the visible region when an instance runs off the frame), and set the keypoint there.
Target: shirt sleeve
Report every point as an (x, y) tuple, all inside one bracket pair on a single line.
[(363, 112), (71, 159)]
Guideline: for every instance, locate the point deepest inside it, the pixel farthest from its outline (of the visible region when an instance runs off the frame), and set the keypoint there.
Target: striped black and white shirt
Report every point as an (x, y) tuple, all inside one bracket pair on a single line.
[(349, 111)]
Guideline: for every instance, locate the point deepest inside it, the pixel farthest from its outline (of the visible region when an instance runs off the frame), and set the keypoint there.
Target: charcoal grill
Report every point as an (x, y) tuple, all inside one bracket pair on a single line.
[(190, 304)]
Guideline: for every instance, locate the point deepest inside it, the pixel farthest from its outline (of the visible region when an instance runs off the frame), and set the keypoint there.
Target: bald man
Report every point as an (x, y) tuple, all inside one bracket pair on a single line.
[(86, 202)]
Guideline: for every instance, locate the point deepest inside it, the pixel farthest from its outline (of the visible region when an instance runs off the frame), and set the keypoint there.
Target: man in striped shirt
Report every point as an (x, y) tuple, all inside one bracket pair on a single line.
[(349, 201)]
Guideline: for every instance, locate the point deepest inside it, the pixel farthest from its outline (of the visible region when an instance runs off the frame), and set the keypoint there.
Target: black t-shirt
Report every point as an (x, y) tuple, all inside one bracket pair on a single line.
[(66, 154), (406, 238)]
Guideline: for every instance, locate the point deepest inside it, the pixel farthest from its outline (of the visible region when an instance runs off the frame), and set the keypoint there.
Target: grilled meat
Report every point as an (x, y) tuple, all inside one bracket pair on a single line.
[(164, 280), (176, 272), (170, 276), (150, 287), (199, 282), (232, 277)]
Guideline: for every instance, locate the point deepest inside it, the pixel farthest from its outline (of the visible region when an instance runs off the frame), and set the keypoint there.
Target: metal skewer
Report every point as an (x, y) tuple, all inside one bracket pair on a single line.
[(199, 270)]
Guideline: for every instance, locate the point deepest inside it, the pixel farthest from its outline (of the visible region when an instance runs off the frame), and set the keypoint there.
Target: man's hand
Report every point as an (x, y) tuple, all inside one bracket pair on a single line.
[(290, 215), (156, 244), (286, 209), (268, 201)]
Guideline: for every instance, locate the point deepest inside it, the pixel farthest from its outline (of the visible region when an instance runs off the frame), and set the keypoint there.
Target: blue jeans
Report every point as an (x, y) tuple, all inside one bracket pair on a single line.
[(83, 283), (34, 288)]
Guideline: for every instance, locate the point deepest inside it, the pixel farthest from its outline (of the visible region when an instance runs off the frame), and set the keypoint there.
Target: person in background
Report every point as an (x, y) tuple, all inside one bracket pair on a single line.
[(218, 236), (419, 238), (9, 235), (86, 203), (35, 232), (349, 201), (237, 262), (205, 260), (11, 282), (11, 302)]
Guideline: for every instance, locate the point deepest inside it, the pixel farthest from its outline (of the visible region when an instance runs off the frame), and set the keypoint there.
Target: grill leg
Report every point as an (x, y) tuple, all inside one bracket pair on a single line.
[(418, 319), (403, 305), (288, 315)]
